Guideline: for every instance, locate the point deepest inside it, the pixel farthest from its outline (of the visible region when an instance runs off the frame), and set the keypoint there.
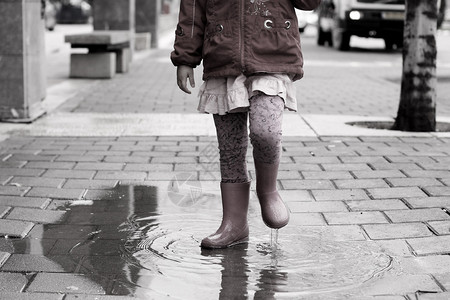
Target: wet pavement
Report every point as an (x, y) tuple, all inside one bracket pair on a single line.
[(110, 194)]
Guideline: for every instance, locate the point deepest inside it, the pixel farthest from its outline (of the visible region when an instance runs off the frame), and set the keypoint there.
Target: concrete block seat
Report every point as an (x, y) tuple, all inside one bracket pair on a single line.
[(108, 53)]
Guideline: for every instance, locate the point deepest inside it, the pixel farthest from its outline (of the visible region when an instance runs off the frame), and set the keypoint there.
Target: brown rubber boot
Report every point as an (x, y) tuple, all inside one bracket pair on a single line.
[(275, 213), (234, 227)]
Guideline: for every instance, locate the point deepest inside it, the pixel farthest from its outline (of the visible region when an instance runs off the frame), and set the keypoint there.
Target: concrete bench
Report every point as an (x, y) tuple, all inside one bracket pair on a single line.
[(108, 53)]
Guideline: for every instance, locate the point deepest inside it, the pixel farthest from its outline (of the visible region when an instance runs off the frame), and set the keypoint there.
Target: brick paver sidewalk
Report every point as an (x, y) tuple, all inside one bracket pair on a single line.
[(394, 191), (331, 86)]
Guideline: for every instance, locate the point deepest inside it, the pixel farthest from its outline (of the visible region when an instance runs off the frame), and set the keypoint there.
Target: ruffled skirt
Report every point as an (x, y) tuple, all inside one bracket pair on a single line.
[(233, 94)]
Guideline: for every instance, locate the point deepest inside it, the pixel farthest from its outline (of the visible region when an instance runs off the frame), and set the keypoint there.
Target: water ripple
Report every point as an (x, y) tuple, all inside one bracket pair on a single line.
[(301, 263)]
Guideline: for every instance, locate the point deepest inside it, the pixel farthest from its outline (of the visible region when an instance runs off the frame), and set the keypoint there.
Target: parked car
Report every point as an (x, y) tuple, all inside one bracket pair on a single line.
[(50, 12), (74, 12), (340, 19)]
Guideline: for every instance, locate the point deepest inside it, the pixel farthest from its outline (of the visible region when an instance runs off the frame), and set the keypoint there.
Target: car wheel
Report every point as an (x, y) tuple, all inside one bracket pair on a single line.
[(341, 40), (389, 44)]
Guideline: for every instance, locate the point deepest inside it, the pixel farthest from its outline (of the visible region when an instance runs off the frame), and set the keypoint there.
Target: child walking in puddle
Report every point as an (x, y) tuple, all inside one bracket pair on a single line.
[(251, 56)]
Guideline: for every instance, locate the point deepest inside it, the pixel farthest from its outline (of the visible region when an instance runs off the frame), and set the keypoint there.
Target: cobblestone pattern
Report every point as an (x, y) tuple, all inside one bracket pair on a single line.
[(363, 91), (393, 191), (140, 91)]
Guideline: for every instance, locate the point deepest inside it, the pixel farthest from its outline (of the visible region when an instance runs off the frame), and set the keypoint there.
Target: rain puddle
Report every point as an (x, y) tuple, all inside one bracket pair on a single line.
[(150, 243), (288, 266)]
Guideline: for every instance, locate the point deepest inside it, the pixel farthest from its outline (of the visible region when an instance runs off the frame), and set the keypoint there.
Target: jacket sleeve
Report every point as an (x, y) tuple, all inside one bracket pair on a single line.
[(306, 4), (189, 33)]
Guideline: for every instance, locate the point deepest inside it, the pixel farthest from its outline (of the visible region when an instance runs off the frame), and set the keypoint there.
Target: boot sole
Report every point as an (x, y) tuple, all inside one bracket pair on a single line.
[(241, 241)]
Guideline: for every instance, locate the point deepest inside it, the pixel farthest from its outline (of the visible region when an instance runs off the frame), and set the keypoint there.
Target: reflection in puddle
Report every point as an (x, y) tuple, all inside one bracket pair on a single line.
[(149, 247), (298, 265)]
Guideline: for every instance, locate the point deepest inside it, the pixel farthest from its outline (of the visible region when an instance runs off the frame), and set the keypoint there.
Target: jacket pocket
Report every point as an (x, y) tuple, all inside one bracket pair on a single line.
[(277, 42), (218, 45)]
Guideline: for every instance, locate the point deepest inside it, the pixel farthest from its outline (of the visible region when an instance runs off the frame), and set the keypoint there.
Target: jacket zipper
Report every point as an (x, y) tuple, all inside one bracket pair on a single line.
[(241, 34)]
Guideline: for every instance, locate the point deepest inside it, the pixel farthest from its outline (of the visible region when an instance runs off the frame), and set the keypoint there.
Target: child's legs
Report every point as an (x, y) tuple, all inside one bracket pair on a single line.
[(266, 118), (232, 136)]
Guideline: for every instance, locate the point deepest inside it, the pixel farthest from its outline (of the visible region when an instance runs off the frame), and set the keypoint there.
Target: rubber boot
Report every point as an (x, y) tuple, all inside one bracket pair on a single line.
[(275, 213), (234, 227)]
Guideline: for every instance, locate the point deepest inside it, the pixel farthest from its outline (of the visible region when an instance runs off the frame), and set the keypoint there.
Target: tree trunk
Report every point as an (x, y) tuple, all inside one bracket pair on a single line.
[(417, 108)]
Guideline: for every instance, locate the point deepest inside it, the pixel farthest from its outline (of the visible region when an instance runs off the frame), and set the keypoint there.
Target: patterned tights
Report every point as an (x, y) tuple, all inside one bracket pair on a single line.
[(266, 116)]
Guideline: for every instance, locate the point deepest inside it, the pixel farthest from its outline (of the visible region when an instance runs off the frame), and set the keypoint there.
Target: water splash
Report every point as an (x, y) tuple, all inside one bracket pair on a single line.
[(274, 239)]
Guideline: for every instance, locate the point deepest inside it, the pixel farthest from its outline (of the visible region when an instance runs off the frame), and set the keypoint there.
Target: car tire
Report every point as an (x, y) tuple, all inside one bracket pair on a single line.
[(389, 44), (341, 40)]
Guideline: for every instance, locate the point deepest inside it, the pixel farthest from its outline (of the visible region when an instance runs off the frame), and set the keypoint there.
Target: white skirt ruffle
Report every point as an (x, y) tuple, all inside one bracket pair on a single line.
[(233, 94)]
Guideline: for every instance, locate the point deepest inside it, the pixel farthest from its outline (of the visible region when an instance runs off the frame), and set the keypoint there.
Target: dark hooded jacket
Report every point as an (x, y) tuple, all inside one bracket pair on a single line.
[(235, 37)]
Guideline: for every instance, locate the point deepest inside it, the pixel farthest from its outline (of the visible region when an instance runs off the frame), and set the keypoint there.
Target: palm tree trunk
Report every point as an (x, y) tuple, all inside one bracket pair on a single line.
[(417, 108)]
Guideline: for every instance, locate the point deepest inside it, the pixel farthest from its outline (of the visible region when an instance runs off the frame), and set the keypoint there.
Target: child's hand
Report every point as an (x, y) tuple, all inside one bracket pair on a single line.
[(183, 73)]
